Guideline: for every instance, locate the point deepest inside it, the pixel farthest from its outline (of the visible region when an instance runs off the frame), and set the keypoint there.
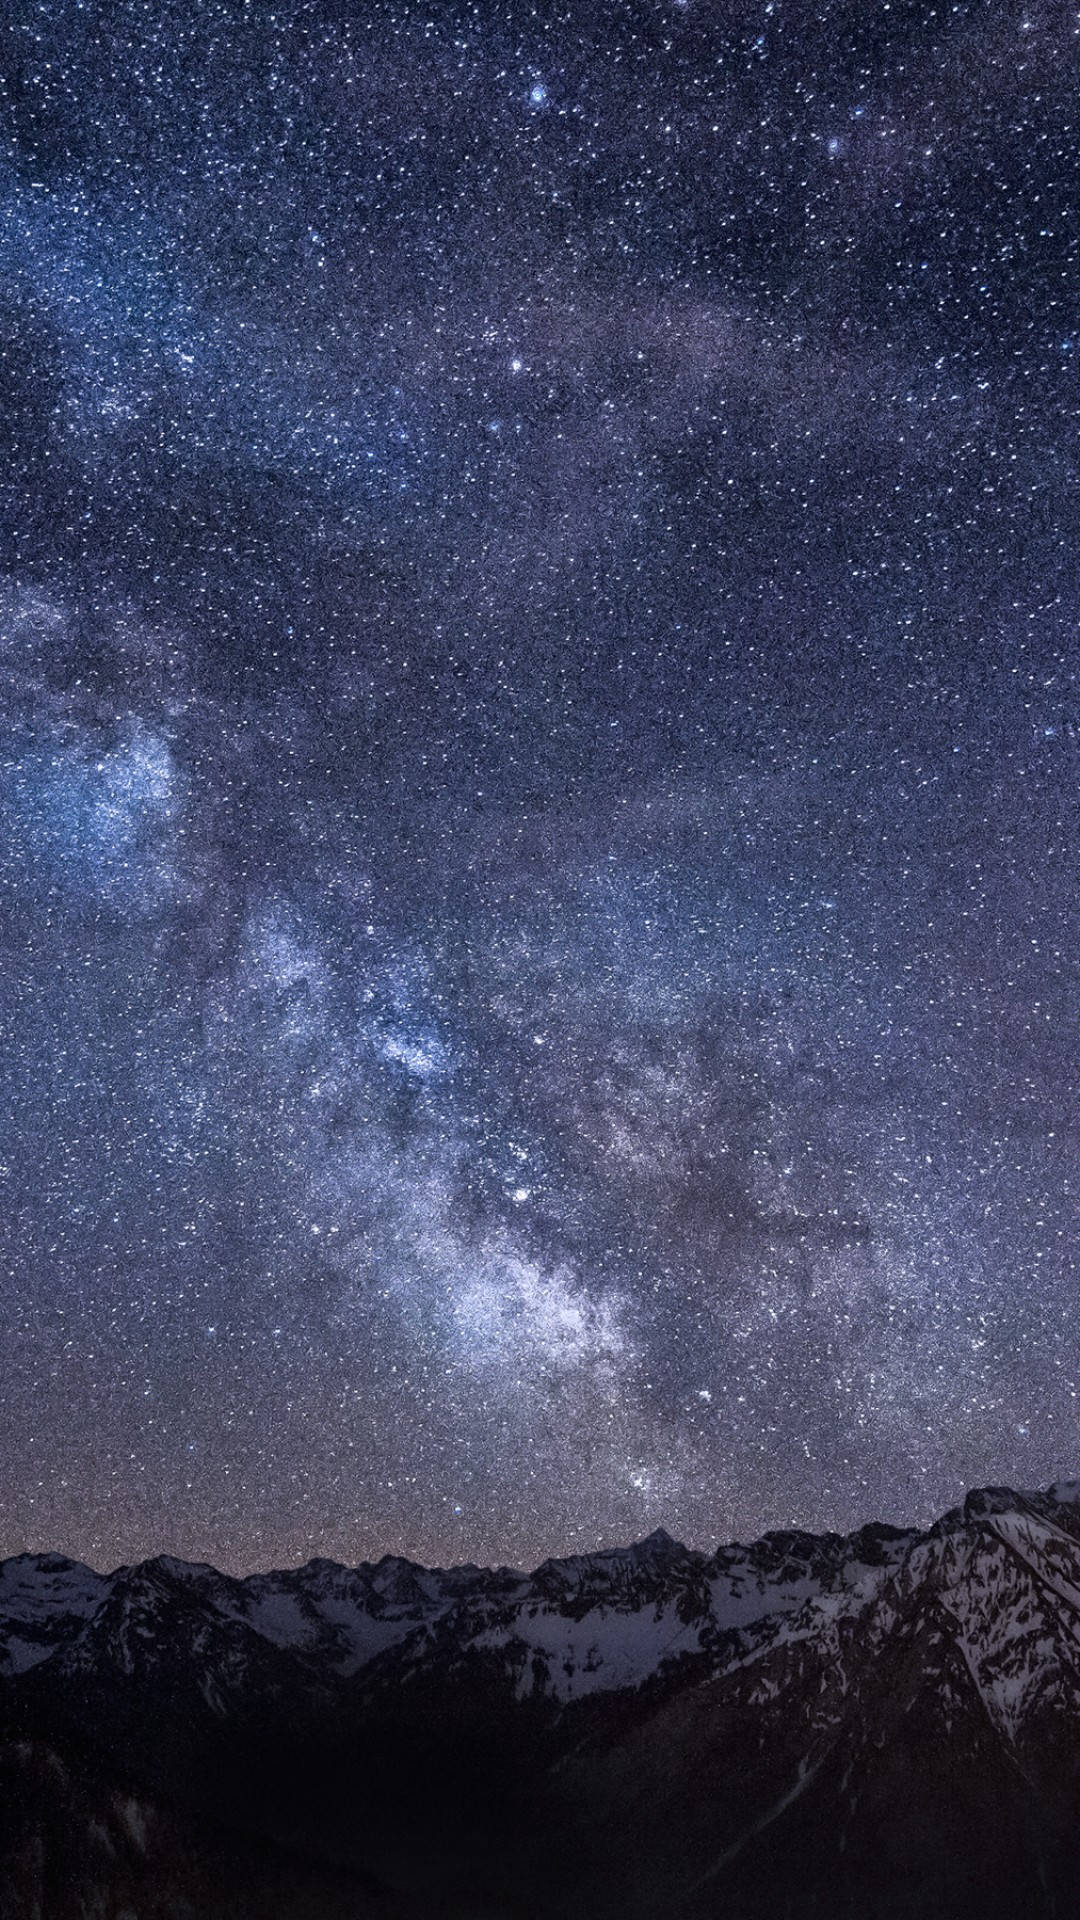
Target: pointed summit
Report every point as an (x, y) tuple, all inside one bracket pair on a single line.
[(659, 1541)]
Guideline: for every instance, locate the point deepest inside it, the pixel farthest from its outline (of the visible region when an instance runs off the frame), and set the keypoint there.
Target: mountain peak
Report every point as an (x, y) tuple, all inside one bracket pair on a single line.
[(993, 1499), (659, 1541)]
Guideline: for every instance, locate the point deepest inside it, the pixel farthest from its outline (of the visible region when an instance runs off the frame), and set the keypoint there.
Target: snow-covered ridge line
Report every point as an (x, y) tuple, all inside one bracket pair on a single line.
[(589, 1623), (653, 1599)]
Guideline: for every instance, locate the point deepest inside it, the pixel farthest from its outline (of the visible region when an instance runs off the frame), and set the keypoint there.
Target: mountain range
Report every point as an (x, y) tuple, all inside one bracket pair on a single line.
[(884, 1724)]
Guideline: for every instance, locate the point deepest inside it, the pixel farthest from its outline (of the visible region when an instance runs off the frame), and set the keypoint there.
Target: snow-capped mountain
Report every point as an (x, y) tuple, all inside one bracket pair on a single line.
[(594, 1622), (886, 1722)]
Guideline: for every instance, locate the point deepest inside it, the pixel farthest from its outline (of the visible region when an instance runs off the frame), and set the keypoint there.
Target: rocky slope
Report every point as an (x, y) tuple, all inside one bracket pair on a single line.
[(881, 1724)]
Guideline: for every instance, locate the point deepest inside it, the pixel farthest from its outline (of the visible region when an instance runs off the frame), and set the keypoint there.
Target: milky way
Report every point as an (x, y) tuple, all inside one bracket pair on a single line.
[(539, 752)]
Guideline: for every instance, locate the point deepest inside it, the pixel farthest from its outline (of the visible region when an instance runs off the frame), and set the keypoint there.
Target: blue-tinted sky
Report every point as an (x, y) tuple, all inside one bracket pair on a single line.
[(538, 933)]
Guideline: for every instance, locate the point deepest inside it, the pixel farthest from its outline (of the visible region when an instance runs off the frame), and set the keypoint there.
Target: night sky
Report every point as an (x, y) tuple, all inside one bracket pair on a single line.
[(539, 580)]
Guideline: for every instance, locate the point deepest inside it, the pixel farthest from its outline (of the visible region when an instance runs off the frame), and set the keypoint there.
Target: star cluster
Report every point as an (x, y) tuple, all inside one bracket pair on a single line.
[(538, 755)]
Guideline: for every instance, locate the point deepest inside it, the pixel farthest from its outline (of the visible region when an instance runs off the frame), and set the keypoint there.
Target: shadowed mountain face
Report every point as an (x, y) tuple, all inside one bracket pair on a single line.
[(886, 1724)]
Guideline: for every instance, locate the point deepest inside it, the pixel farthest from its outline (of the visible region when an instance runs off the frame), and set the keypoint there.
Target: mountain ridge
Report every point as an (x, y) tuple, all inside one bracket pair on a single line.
[(642, 1730)]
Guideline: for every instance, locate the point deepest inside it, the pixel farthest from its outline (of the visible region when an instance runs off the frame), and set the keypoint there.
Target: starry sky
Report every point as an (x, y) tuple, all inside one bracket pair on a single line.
[(539, 578)]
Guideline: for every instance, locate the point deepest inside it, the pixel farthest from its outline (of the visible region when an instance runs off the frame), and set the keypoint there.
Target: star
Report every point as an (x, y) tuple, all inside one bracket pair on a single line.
[(537, 779)]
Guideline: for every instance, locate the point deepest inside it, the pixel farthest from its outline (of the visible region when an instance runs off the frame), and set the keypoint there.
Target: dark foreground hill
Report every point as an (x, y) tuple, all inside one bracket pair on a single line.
[(878, 1726)]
